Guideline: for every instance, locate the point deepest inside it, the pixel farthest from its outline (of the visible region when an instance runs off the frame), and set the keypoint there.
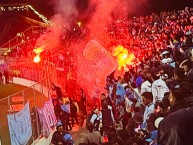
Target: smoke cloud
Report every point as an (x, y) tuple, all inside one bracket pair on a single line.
[(100, 13), (106, 11), (66, 11), (65, 14)]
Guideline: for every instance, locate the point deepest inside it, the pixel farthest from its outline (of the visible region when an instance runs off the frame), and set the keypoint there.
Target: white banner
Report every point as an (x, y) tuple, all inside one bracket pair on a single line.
[(47, 118), (20, 126)]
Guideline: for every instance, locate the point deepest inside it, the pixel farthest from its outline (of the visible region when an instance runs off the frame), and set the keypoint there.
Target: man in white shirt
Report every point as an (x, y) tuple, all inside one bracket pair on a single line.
[(159, 88), (147, 84), (146, 87)]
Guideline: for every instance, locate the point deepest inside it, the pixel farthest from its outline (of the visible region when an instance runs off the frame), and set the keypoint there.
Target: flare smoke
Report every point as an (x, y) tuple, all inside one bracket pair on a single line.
[(65, 14)]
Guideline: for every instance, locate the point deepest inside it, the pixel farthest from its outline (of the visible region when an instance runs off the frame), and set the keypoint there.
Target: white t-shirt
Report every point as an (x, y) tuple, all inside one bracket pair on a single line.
[(146, 87), (159, 88)]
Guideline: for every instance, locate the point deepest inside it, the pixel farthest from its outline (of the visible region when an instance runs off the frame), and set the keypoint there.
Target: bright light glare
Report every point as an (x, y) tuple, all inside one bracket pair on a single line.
[(123, 57), (37, 58)]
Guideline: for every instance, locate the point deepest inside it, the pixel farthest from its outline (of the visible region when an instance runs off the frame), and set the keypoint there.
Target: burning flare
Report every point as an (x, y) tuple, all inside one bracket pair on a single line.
[(37, 58), (37, 51), (123, 57), (79, 24)]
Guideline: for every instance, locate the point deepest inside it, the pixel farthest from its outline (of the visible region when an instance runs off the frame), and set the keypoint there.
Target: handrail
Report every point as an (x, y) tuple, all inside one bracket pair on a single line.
[(30, 86), (7, 43)]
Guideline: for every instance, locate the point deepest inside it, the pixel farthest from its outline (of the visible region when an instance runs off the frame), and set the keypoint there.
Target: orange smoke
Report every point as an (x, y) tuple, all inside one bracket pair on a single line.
[(123, 57), (37, 51)]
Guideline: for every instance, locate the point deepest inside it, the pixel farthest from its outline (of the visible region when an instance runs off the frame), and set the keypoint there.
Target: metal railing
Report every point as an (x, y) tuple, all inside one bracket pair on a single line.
[(37, 94), (22, 36)]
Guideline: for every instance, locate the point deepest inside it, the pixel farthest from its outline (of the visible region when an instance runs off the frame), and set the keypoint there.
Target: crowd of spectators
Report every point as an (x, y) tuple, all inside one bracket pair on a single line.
[(140, 106), (148, 35), (157, 88), (152, 34), (153, 100)]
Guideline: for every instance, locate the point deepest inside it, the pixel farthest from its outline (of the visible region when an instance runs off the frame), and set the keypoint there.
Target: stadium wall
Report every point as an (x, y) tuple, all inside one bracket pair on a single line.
[(29, 83)]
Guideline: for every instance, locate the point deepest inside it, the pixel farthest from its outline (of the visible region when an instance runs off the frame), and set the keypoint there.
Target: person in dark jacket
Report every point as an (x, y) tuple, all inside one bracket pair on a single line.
[(92, 137), (58, 90), (74, 110), (176, 128), (179, 77), (107, 115), (180, 97), (187, 66), (59, 112), (57, 138)]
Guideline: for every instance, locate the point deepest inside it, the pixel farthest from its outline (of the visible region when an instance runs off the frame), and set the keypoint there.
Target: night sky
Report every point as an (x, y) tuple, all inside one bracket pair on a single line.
[(44, 6)]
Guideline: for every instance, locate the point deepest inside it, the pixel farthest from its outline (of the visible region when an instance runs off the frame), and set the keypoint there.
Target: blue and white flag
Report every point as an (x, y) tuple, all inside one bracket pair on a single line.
[(47, 118), (20, 126)]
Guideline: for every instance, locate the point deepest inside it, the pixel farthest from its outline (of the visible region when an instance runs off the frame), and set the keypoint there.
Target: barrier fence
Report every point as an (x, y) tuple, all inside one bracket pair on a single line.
[(38, 78), (22, 37)]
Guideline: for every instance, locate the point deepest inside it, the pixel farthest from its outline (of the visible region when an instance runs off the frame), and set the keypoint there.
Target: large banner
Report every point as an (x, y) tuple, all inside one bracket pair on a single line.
[(94, 66), (20, 126), (47, 118)]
